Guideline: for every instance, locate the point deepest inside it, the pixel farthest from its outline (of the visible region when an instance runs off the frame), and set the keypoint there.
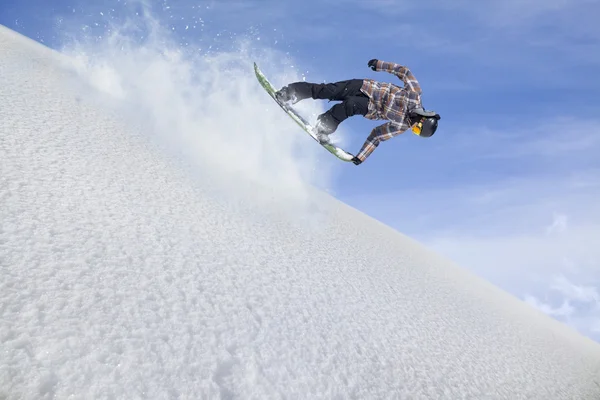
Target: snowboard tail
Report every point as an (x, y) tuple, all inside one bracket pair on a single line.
[(302, 122)]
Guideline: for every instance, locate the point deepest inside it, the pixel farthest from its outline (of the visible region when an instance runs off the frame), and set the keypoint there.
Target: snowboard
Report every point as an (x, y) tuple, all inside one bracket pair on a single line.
[(336, 151)]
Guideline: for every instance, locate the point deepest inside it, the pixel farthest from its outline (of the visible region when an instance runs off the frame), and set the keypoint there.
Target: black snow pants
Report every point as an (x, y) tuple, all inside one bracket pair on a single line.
[(353, 101)]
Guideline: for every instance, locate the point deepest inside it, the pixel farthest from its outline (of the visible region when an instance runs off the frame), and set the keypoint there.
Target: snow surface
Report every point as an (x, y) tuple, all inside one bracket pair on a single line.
[(126, 275)]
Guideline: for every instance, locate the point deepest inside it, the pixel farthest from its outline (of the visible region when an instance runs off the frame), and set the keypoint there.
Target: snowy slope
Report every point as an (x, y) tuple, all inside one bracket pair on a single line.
[(126, 276)]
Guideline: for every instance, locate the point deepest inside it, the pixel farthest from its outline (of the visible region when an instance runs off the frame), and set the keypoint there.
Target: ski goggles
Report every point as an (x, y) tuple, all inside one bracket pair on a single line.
[(417, 127)]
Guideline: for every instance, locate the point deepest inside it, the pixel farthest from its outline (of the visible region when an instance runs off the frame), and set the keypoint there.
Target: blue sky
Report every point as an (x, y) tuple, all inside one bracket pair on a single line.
[(508, 187)]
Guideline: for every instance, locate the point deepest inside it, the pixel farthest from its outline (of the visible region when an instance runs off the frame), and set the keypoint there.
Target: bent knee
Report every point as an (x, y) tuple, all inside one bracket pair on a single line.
[(356, 105)]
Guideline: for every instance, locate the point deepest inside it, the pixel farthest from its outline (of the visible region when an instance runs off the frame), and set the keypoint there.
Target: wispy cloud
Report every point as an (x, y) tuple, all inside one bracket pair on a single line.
[(538, 42)]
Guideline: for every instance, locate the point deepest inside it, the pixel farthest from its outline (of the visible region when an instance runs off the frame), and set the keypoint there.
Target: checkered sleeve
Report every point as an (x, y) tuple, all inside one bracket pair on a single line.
[(402, 72), (379, 134)]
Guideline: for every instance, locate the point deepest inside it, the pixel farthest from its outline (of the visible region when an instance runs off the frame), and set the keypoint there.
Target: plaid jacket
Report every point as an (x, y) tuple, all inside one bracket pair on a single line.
[(391, 102)]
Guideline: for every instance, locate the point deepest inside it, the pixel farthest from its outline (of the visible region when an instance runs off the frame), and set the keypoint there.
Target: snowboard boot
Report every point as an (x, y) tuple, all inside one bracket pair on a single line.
[(324, 127), (287, 96)]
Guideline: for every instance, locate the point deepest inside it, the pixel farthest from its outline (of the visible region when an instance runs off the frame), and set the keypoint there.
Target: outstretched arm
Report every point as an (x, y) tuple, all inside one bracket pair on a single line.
[(402, 72), (379, 134)]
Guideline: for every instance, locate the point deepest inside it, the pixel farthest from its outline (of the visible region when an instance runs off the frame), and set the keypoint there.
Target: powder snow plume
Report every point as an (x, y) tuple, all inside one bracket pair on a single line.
[(202, 104)]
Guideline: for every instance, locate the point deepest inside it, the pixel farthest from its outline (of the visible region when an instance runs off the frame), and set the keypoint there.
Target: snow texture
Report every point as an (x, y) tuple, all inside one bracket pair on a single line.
[(124, 275)]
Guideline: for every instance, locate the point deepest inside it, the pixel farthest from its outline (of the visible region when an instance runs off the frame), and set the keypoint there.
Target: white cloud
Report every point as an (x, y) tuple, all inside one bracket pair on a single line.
[(565, 308), (558, 274), (559, 224), (580, 293), (579, 304)]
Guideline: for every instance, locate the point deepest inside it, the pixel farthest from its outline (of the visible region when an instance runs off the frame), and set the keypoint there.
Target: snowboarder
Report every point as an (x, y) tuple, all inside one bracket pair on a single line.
[(371, 99)]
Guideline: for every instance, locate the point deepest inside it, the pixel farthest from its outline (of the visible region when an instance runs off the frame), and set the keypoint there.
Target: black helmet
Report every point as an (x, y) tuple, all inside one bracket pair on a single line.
[(424, 122)]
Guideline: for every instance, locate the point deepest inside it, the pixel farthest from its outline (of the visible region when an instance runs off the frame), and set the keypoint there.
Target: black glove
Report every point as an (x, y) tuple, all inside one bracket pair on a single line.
[(356, 161), (373, 64)]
